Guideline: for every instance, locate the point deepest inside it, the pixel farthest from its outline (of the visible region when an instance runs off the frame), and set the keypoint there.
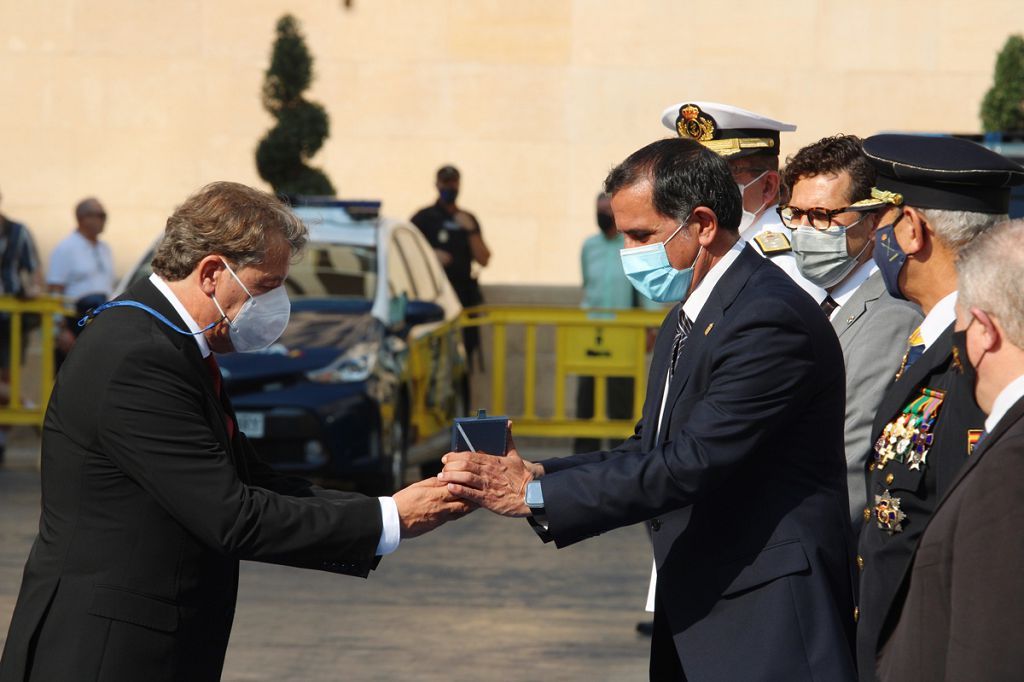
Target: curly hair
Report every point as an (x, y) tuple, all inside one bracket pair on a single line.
[(228, 219), (833, 155)]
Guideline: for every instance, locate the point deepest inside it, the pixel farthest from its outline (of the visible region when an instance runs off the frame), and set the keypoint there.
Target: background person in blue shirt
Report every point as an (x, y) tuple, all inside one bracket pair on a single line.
[(605, 287)]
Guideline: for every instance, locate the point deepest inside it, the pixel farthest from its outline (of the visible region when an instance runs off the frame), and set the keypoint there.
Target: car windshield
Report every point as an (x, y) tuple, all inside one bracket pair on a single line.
[(332, 270)]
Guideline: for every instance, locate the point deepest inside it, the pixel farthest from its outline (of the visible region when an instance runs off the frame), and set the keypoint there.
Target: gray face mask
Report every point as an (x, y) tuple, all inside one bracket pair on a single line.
[(821, 256)]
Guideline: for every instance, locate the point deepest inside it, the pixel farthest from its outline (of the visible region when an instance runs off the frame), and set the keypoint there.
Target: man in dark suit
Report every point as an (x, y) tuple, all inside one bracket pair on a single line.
[(737, 462), (151, 494), (961, 618), (949, 191)]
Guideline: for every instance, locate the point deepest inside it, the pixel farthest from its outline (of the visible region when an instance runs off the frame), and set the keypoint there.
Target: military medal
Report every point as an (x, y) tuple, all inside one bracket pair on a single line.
[(973, 438), (888, 514), (908, 438)]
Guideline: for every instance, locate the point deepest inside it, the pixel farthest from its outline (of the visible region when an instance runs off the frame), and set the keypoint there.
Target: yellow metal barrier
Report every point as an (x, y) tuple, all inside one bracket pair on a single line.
[(15, 412), (432, 398), (610, 343)]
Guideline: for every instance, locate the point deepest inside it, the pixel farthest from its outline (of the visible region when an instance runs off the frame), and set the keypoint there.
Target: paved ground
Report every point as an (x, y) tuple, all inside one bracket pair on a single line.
[(480, 599)]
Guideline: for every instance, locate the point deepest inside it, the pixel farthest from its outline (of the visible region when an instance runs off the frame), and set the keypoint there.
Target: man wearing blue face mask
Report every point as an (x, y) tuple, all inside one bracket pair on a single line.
[(945, 192), (832, 217), (737, 462), (151, 494), (749, 142)]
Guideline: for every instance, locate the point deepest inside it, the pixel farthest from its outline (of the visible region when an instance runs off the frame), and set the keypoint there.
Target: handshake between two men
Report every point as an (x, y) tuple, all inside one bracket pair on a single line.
[(469, 480)]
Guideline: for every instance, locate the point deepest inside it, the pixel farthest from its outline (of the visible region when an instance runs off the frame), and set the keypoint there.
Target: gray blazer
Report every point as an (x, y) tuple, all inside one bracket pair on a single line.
[(873, 328)]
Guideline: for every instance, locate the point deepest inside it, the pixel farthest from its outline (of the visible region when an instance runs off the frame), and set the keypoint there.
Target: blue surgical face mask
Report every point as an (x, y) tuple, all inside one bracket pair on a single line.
[(890, 257), (649, 271)]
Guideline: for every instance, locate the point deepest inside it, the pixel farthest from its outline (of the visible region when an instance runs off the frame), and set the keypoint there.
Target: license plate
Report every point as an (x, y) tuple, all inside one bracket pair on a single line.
[(251, 423)]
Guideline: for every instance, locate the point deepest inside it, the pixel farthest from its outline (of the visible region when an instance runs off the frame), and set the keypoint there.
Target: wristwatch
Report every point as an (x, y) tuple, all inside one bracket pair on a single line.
[(535, 501)]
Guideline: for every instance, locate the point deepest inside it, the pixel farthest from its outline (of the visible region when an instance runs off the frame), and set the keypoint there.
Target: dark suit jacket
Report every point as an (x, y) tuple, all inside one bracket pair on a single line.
[(147, 508), (746, 486), (962, 616), (885, 557)]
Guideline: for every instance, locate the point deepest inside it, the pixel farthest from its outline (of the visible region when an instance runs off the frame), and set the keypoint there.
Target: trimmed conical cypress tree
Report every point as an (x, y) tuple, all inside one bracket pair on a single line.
[(302, 126), (1003, 106)]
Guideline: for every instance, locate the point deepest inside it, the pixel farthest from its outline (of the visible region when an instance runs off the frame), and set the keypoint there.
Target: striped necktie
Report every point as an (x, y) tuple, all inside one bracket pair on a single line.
[(682, 332)]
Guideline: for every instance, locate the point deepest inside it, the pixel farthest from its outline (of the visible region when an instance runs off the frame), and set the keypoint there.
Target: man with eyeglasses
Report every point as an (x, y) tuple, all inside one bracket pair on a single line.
[(81, 270), (944, 193), (749, 142), (832, 217)]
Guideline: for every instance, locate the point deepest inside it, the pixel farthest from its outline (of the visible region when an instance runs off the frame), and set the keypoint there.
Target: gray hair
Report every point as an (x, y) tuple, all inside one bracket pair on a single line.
[(958, 228), (990, 271), (228, 219)]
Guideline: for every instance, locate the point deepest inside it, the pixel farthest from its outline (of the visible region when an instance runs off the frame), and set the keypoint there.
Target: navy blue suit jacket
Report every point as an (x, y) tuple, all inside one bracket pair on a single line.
[(745, 489)]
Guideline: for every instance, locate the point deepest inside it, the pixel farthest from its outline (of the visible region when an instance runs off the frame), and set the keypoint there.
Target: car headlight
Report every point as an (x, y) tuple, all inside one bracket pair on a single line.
[(356, 364)]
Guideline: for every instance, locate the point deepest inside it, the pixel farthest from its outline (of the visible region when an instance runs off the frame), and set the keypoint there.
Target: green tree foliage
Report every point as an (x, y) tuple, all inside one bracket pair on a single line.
[(1003, 106), (302, 126)]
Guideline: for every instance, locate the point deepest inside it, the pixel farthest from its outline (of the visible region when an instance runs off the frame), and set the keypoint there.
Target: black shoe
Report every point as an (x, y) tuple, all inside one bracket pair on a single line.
[(645, 628)]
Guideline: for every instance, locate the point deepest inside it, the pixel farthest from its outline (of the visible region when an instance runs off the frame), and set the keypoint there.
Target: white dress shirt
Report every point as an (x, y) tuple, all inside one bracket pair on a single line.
[(938, 318), (1006, 399), (691, 308), (391, 533)]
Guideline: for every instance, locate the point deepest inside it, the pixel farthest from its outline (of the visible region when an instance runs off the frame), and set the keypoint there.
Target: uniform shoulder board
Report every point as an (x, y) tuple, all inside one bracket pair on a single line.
[(773, 243)]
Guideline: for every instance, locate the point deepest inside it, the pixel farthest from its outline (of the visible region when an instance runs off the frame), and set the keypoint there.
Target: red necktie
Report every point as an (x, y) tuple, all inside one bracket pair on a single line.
[(214, 369)]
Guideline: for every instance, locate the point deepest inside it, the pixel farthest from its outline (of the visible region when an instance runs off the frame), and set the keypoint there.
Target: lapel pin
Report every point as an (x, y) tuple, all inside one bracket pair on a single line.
[(709, 328)]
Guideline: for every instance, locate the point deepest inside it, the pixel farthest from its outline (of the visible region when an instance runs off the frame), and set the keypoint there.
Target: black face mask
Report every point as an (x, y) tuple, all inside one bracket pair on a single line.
[(605, 221), (448, 196)]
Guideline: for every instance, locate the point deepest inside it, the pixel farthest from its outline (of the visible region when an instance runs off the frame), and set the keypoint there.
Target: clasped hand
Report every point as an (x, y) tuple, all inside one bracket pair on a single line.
[(493, 482)]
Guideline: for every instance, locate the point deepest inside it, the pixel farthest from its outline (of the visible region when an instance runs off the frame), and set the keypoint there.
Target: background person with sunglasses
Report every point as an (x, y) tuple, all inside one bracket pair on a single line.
[(832, 219), (81, 269)]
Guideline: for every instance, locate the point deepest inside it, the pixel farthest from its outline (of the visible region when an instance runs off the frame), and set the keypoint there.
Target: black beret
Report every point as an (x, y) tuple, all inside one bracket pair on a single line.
[(943, 172)]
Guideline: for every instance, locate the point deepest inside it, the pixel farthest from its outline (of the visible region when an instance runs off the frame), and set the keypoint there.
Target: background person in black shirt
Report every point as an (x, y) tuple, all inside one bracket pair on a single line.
[(455, 236)]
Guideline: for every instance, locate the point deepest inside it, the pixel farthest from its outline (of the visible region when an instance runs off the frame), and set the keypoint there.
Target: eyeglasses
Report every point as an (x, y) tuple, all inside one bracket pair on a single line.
[(818, 218), (96, 214)]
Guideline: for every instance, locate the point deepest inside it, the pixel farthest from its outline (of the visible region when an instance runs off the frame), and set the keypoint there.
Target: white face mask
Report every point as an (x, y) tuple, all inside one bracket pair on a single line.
[(262, 319), (748, 218)]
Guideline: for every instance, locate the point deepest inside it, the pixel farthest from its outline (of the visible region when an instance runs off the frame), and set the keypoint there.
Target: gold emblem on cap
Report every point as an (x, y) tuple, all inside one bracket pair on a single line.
[(695, 124)]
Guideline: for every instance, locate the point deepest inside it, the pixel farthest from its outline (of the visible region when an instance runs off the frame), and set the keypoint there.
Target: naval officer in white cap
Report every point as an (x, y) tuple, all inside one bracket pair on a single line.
[(749, 143)]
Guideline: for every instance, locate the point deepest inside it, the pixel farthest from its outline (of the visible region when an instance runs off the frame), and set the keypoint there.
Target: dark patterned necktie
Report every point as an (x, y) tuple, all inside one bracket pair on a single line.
[(218, 381), (828, 305), (682, 332)]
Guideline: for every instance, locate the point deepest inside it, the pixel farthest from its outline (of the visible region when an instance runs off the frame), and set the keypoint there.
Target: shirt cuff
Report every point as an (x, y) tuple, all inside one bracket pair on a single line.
[(392, 530)]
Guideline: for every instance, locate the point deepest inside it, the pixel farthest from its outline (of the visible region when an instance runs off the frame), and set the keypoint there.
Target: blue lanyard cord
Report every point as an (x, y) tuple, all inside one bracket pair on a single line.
[(141, 306)]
